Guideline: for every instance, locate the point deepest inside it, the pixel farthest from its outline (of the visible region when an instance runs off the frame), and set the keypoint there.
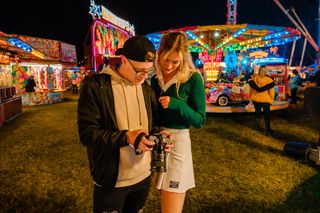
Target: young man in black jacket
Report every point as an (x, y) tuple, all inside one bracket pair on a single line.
[(114, 108)]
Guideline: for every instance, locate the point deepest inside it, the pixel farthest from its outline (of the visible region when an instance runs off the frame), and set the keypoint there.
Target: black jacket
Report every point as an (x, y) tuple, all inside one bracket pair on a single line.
[(98, 130)]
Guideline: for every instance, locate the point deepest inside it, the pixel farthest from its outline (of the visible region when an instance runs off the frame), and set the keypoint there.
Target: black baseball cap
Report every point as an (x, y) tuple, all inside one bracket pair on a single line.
[(138, 48)]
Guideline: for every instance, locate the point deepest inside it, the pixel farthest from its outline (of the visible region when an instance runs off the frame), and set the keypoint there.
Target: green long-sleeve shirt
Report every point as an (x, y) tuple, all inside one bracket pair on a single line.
[(187, 109)]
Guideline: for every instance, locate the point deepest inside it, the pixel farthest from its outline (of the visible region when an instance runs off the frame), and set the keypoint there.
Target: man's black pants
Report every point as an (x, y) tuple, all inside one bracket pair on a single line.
[(121, 200)]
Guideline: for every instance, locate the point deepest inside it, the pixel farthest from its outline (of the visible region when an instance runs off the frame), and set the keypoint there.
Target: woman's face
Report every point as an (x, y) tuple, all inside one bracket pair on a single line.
[(170, 64)]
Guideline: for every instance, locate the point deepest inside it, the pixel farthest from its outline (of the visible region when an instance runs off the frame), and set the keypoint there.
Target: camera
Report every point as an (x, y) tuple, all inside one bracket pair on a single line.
[(158, 153), (303, 151)]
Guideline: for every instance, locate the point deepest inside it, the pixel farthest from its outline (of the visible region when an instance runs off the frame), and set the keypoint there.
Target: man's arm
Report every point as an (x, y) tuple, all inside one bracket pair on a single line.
[(90, 128)]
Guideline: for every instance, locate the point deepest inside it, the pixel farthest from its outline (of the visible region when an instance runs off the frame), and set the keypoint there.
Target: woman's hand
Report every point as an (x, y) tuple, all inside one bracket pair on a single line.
[(165, 101), (169, 145)]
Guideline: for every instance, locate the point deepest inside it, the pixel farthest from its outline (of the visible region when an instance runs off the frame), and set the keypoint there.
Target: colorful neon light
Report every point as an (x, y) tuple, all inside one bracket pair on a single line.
[(101, 12), (197, 39), (233, 36), (20, 44), (269, 60)]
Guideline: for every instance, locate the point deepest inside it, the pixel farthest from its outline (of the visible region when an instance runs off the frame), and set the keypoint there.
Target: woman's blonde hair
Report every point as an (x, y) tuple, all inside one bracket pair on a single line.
[(171, 42)]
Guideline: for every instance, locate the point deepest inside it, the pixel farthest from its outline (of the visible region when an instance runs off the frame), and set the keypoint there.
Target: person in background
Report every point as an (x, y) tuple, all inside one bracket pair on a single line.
[(30, 84), (180, 92), (262, 94), (116, 109), (79, 79), (295, 84), (74, 83)]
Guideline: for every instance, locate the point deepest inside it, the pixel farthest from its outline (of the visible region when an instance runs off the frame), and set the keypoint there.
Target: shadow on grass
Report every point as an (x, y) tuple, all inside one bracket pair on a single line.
[(53, 202), (225, 134), (243, 206), (304, 198), (247, 120)]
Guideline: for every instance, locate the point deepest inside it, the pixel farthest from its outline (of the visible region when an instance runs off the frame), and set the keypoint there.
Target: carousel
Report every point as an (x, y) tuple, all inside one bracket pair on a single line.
[(227, 56)]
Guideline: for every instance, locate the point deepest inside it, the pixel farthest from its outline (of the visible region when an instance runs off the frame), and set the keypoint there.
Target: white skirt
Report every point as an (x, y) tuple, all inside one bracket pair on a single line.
[(179, 176)]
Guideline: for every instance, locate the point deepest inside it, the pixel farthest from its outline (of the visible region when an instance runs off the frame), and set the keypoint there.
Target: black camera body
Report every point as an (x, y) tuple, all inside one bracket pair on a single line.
[(158, 153)]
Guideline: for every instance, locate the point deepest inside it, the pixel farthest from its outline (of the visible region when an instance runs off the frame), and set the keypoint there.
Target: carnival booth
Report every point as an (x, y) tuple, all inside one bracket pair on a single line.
[(10, 102), (227, 55), (46, 67), (108, 33)]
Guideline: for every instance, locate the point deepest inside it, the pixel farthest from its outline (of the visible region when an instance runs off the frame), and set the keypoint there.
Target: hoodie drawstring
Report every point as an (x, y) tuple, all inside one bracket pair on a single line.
[(127, 111), (140, 122), (125, 101)]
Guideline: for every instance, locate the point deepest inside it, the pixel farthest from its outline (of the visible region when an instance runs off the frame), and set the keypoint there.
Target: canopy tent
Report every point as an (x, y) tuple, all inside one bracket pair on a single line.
[(233, 37), (11, 46)]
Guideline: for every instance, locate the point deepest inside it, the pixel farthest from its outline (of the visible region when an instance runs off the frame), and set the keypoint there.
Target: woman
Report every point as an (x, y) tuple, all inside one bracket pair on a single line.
[(181, 94), (262, 98)]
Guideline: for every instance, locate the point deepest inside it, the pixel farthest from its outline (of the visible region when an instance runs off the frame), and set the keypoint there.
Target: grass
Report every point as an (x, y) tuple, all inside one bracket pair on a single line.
[(44, 168)]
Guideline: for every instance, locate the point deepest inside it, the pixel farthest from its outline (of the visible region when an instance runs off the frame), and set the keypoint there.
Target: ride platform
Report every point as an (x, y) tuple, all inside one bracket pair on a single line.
[(241, 108)]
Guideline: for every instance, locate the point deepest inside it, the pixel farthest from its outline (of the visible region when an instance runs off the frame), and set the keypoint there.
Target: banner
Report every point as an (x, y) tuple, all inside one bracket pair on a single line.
[(68, 52), (48, 47)]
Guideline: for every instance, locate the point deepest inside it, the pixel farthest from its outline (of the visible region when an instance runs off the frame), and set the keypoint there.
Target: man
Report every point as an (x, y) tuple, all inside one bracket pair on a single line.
[(115, 107)]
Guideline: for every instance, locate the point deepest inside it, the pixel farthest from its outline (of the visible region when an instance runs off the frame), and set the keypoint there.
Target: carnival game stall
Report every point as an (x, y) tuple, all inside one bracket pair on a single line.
[(10, 100), (47, 71), (49, 83), (108, 33), (227, 54)]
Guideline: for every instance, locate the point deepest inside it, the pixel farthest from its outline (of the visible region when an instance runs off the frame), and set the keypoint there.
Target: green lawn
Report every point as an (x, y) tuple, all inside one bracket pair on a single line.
[(44, 168)]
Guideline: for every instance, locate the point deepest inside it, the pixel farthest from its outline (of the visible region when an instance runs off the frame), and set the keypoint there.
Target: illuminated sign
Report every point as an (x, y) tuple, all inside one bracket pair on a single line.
[(68, 52), (270, 60), (102, 12), (258, 54)]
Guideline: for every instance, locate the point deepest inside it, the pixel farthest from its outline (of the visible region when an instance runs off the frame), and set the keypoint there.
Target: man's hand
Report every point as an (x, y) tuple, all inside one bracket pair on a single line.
[(144, 144)]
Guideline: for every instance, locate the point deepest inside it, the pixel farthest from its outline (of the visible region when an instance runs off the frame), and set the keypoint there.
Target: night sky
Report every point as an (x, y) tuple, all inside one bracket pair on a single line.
[(69, 20)]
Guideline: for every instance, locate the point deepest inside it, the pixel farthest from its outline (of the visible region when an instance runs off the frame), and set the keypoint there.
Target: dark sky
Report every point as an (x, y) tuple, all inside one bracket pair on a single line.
[(69, 20)]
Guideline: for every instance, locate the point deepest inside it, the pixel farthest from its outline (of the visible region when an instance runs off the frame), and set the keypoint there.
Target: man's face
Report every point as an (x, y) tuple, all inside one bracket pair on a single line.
[(135, 71)]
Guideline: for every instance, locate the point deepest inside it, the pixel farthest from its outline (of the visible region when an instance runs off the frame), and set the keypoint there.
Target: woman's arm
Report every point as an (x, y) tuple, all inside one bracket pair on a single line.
[(193, 112)]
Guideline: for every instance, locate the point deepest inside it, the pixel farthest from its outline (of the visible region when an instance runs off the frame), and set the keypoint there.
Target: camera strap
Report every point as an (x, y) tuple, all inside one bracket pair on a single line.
[(137, 142)]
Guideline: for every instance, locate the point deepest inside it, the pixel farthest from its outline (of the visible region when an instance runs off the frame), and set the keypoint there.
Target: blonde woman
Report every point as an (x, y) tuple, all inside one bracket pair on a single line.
[(180, 91), (262, 95)]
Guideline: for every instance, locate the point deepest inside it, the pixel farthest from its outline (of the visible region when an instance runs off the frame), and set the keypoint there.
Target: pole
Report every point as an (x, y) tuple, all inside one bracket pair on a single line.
[(305, 29), (303, 51), (318, 22), (306, 35), (292, 52)]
